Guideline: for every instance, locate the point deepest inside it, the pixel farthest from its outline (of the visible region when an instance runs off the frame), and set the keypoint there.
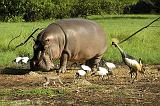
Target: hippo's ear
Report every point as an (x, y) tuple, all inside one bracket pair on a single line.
[(34, 39)]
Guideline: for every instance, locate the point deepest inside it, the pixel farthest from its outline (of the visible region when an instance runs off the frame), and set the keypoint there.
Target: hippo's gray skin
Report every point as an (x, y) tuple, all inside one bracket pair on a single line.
[(70, 40)]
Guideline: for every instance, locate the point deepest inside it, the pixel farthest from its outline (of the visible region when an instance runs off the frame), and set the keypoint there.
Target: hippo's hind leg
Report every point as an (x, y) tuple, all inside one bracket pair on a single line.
[(63, 63), (94, 62)]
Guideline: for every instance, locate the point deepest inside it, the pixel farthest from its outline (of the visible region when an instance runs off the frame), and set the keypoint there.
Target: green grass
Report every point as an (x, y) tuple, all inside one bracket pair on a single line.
[(144, 44)]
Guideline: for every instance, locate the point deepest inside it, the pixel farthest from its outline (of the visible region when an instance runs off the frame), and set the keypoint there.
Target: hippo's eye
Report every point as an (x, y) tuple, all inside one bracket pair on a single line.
[(47, 40)]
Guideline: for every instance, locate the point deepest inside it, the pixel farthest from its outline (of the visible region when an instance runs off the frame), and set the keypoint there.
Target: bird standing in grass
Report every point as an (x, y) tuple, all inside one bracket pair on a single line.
[(21, 60), (101, 72), (134, 65), (110, 66), (86, 68), (80, 73), (17, 60), (25, 60)]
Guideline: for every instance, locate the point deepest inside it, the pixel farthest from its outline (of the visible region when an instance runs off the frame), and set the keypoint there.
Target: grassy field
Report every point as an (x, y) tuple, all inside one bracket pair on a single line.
[(145, 44)]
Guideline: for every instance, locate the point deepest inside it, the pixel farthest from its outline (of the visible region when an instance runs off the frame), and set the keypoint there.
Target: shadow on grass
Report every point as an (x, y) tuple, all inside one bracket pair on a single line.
[(121, 17), (22, 70), (14, 71)]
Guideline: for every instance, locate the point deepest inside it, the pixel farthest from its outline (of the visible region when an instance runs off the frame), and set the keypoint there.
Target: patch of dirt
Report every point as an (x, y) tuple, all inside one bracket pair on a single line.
[(115, 90)]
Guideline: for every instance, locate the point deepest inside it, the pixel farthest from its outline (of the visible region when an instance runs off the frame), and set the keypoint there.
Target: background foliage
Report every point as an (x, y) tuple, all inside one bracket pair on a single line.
[(32, 10), (143, 45)]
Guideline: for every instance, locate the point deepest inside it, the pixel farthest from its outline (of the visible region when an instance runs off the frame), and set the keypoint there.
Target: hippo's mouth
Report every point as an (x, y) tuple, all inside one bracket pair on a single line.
[(41, 65), (46, 63), (43, 62)]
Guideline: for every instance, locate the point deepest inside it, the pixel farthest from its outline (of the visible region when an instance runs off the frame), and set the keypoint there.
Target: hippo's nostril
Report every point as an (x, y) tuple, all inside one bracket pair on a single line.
[(33, 63)]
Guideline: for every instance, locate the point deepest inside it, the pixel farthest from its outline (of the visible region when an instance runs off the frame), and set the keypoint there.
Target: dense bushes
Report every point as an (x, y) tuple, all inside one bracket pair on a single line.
[(32, 10), (145, 6)]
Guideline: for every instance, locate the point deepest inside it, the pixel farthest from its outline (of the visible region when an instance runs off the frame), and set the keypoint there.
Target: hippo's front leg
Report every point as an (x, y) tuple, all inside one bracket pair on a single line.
[(63, 63)]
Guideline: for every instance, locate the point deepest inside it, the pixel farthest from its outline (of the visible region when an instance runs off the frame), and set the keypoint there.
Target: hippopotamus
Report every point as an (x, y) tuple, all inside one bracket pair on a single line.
[(75, 40)]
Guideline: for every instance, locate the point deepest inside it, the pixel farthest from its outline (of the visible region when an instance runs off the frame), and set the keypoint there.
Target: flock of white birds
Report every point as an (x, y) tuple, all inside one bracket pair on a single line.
[(130, 61), (81, 72), (134, 65), (24, 60), (100, 72)]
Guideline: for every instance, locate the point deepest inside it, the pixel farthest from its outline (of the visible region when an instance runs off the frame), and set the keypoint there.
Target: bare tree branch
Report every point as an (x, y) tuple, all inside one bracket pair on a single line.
[(31, 36), (14, 38)]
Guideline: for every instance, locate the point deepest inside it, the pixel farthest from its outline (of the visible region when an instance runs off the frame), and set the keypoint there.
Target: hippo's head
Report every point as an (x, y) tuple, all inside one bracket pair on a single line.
[(45, 50), (41, 58)]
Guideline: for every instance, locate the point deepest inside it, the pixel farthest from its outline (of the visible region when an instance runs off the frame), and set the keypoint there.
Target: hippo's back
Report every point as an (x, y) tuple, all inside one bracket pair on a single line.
[(85, 38)]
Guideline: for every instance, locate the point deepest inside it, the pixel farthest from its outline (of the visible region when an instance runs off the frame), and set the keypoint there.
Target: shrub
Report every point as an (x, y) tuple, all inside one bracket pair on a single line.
[(83, 8), (145, 6), (32, 10)]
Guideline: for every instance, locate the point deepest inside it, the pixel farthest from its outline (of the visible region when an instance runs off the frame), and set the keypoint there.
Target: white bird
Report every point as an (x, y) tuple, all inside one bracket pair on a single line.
[(18, 59), (134, 65), (25, 60), (101, 72), (110, 66), (102, 69), (86, 68), (80, 73)]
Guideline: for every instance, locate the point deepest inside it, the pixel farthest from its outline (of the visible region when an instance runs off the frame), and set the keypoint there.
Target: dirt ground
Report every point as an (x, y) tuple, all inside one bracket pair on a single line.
[(117, 90)]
